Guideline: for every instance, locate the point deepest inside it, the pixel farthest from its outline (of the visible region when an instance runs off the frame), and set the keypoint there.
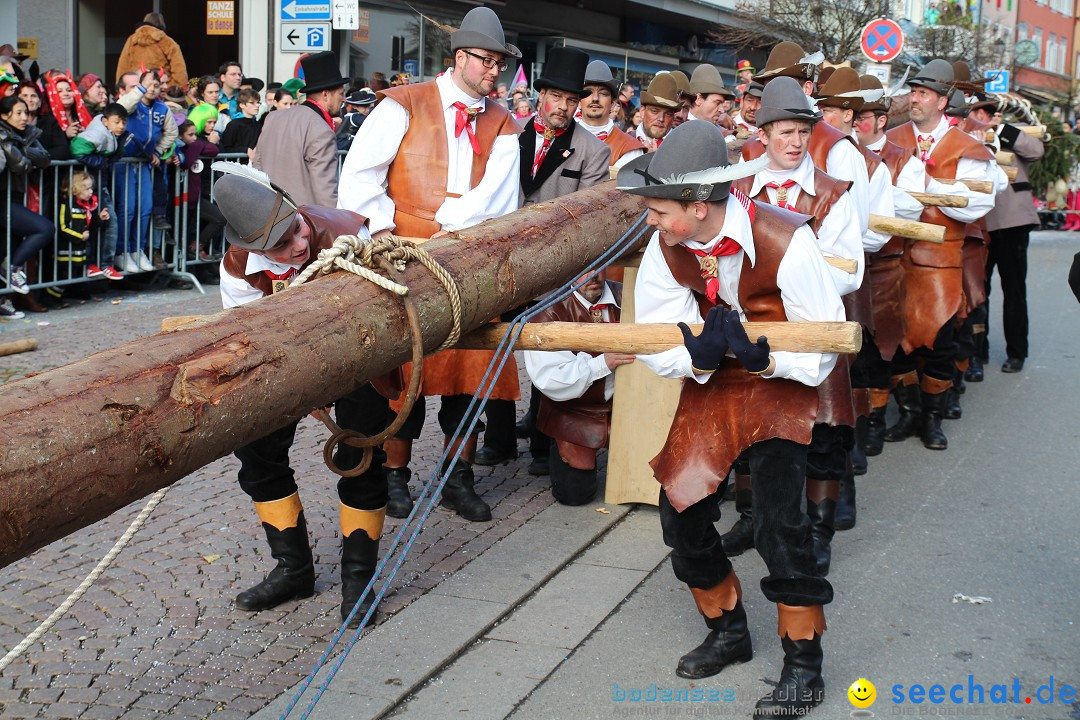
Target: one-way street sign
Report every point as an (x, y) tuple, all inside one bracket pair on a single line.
[(305, 37)]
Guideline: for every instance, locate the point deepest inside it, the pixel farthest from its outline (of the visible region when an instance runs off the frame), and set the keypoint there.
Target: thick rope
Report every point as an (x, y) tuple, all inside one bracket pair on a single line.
[(87, 582)]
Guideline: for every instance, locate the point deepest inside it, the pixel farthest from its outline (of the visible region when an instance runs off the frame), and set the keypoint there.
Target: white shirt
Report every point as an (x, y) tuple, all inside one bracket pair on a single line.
[(845, 162), (911, 178), (803, 279), (740, 120), (966, 169), (881, 203), (362, 188), (838, 235), (627, 157), (564, 375)]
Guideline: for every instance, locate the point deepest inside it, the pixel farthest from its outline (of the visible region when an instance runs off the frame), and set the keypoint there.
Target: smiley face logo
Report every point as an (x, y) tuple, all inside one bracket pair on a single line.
[(862, 693)]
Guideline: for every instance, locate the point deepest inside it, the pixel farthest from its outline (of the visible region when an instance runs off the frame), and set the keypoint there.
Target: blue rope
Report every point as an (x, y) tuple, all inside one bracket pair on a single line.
[(503, 352)]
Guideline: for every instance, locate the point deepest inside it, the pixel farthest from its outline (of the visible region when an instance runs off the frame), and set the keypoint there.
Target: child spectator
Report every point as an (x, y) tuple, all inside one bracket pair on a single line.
[(96, 147), (190, 157), (79, 213), (283, 100), (242, 133)]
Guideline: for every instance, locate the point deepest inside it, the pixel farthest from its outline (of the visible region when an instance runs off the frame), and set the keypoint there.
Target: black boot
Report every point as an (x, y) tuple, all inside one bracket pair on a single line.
[(294, 576), (400, 503), (933, 438), (523, 427), (459, 495), (974, 373), (728, 642), (801, 686), (740, 537), (359, 557), (909, 398), (952, 410), (858, 455), (821, 508), (845, 503), (875, 432)]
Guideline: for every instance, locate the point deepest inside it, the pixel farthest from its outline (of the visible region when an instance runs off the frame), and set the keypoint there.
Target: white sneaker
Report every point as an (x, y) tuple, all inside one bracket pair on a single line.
[(143, 262), (17, 282), (127, 264), (8, 311)]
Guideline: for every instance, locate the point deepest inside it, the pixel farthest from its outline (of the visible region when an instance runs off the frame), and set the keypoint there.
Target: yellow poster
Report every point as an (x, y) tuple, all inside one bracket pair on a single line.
[(363, 33), (220, 17)]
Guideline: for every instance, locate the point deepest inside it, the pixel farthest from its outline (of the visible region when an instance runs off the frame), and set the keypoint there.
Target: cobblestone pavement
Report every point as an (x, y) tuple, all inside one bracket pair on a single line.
[(157, 635)]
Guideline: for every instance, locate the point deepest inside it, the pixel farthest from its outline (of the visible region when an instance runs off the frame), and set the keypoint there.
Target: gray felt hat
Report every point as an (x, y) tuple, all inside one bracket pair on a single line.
[(706, 80), (480, 28), (692, 164), (257, 212), (936, 75), (598, 73), (783, 99)]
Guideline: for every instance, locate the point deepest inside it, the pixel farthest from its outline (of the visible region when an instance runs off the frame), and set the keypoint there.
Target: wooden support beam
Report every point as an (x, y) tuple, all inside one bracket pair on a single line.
[(983, 186), (18, 346), (940, 200), (912, 229)]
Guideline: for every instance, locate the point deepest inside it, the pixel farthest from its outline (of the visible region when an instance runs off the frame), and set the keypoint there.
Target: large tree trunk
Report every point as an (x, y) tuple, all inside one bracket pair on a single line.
[(81, 441)]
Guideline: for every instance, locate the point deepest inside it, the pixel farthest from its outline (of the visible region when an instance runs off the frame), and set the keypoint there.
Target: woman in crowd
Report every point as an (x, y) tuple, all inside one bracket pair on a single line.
[(94, 94), (31, 95), (523, 108), (64, 115), (22, 154)]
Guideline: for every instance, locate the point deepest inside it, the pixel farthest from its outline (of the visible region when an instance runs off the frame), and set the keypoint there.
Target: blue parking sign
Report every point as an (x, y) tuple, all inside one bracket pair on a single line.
[(1000, 83)]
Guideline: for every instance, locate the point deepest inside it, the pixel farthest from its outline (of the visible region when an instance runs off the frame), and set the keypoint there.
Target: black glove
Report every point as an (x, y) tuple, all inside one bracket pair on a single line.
[(708, 348), (753, 356)]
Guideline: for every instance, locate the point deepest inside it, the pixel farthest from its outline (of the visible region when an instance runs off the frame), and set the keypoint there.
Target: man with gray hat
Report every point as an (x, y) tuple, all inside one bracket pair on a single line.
[(708, 94), (297, 147), (432, 158), (271, 239), (716, 248), (602, 90), (746, 119), (934, 273)]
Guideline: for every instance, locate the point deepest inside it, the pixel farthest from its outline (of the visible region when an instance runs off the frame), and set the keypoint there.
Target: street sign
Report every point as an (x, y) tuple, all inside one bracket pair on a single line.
[(346, 14), (1000, 83), (882, 40), (880, 71), (412, 67), (299, 10), (305, 37)]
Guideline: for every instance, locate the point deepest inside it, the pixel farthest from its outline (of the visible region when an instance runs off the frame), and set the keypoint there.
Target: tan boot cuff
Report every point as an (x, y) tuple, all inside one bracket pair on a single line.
[(720, 598), (280, 514), (933, 386), (800, 622), (370, 521), (908, 378), (878, 398), (963, 365)]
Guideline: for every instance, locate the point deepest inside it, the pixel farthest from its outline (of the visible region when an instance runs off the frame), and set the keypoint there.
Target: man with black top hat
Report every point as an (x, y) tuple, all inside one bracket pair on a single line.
[(555, 159), (924, 368), (432, 158), (297, 147), (272, 238), (717, 249), (596, 117)]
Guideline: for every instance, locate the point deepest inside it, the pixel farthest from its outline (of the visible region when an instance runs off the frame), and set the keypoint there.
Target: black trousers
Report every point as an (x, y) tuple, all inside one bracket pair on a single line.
[(826, 456), (939, 362), (265, 474), (781, 530), (1008, 252), (966, 342), (451, 412), (501, 432)]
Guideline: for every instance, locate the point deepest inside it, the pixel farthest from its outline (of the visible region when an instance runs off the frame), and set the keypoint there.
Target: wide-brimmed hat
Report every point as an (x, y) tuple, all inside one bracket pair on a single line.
[(481, 29), (706, 80), (754, 89), (788, 59), (842, 90), (957, 106), (598, 73), (363, 96), (256, 83), (981, 100), (936, 75), (744, 65), (257, 211), (692, 164), (681, 82), (564, 70), (321, 72), (663, 92), (963, 80), (783, 99), (873, 83)]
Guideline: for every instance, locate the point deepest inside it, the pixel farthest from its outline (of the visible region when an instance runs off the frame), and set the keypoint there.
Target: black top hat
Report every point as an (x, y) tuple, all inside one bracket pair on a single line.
[(564, 70), (321, 72), (691, 165), (363, 96), (273, 86), (481, 29)]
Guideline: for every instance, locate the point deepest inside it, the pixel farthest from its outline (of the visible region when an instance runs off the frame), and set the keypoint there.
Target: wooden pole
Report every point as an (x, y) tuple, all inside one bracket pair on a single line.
[(1011, 171), (940, 200), (1004, 157), (18, 346), (647, 339), (84, 440), (1034, 130), (912, 229), (983, 186)]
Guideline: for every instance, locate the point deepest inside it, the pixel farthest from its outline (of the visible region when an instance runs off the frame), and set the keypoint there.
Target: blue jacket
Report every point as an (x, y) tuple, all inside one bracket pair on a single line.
[(145, 125)]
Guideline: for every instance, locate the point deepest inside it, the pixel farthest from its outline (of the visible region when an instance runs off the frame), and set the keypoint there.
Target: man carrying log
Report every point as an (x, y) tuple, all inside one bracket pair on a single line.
[(596, 117), (706, 257), (791, 181), (406, 177), (575, 408), (934, 273), (271, 240)]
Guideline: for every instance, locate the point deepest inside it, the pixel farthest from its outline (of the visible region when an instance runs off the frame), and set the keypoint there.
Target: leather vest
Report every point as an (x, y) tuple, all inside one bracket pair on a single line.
[(621, 143), (828, 188), (894, 157), (822, 139), (416, 180)]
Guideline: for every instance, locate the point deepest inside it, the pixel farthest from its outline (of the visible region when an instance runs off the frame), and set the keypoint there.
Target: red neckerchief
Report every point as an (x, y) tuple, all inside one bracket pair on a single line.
[(602, 135), (57, 108), (597, 312), (549, 135), (88, 205), (326, 116), (710, 268), (925, 142), (464, 121), (287, 275), (781, 192)]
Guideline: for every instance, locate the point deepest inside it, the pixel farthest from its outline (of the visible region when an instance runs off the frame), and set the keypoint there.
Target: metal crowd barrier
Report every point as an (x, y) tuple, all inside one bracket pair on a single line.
[(183, 248)]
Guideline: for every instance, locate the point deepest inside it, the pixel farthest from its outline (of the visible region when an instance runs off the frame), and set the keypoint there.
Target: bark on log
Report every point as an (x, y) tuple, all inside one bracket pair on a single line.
[(907, 228), (940, 200), (18, 346), (647, 339), (81, 441)]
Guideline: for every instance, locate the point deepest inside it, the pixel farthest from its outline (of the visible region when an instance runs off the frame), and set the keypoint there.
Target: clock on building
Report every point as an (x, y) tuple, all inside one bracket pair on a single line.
[(1026, 52)]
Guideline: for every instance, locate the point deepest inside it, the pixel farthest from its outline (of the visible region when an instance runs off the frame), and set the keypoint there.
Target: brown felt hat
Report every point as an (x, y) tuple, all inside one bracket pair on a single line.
[(663, 92), (841, 90), (871, 82), (787, 59), (706, 80)]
